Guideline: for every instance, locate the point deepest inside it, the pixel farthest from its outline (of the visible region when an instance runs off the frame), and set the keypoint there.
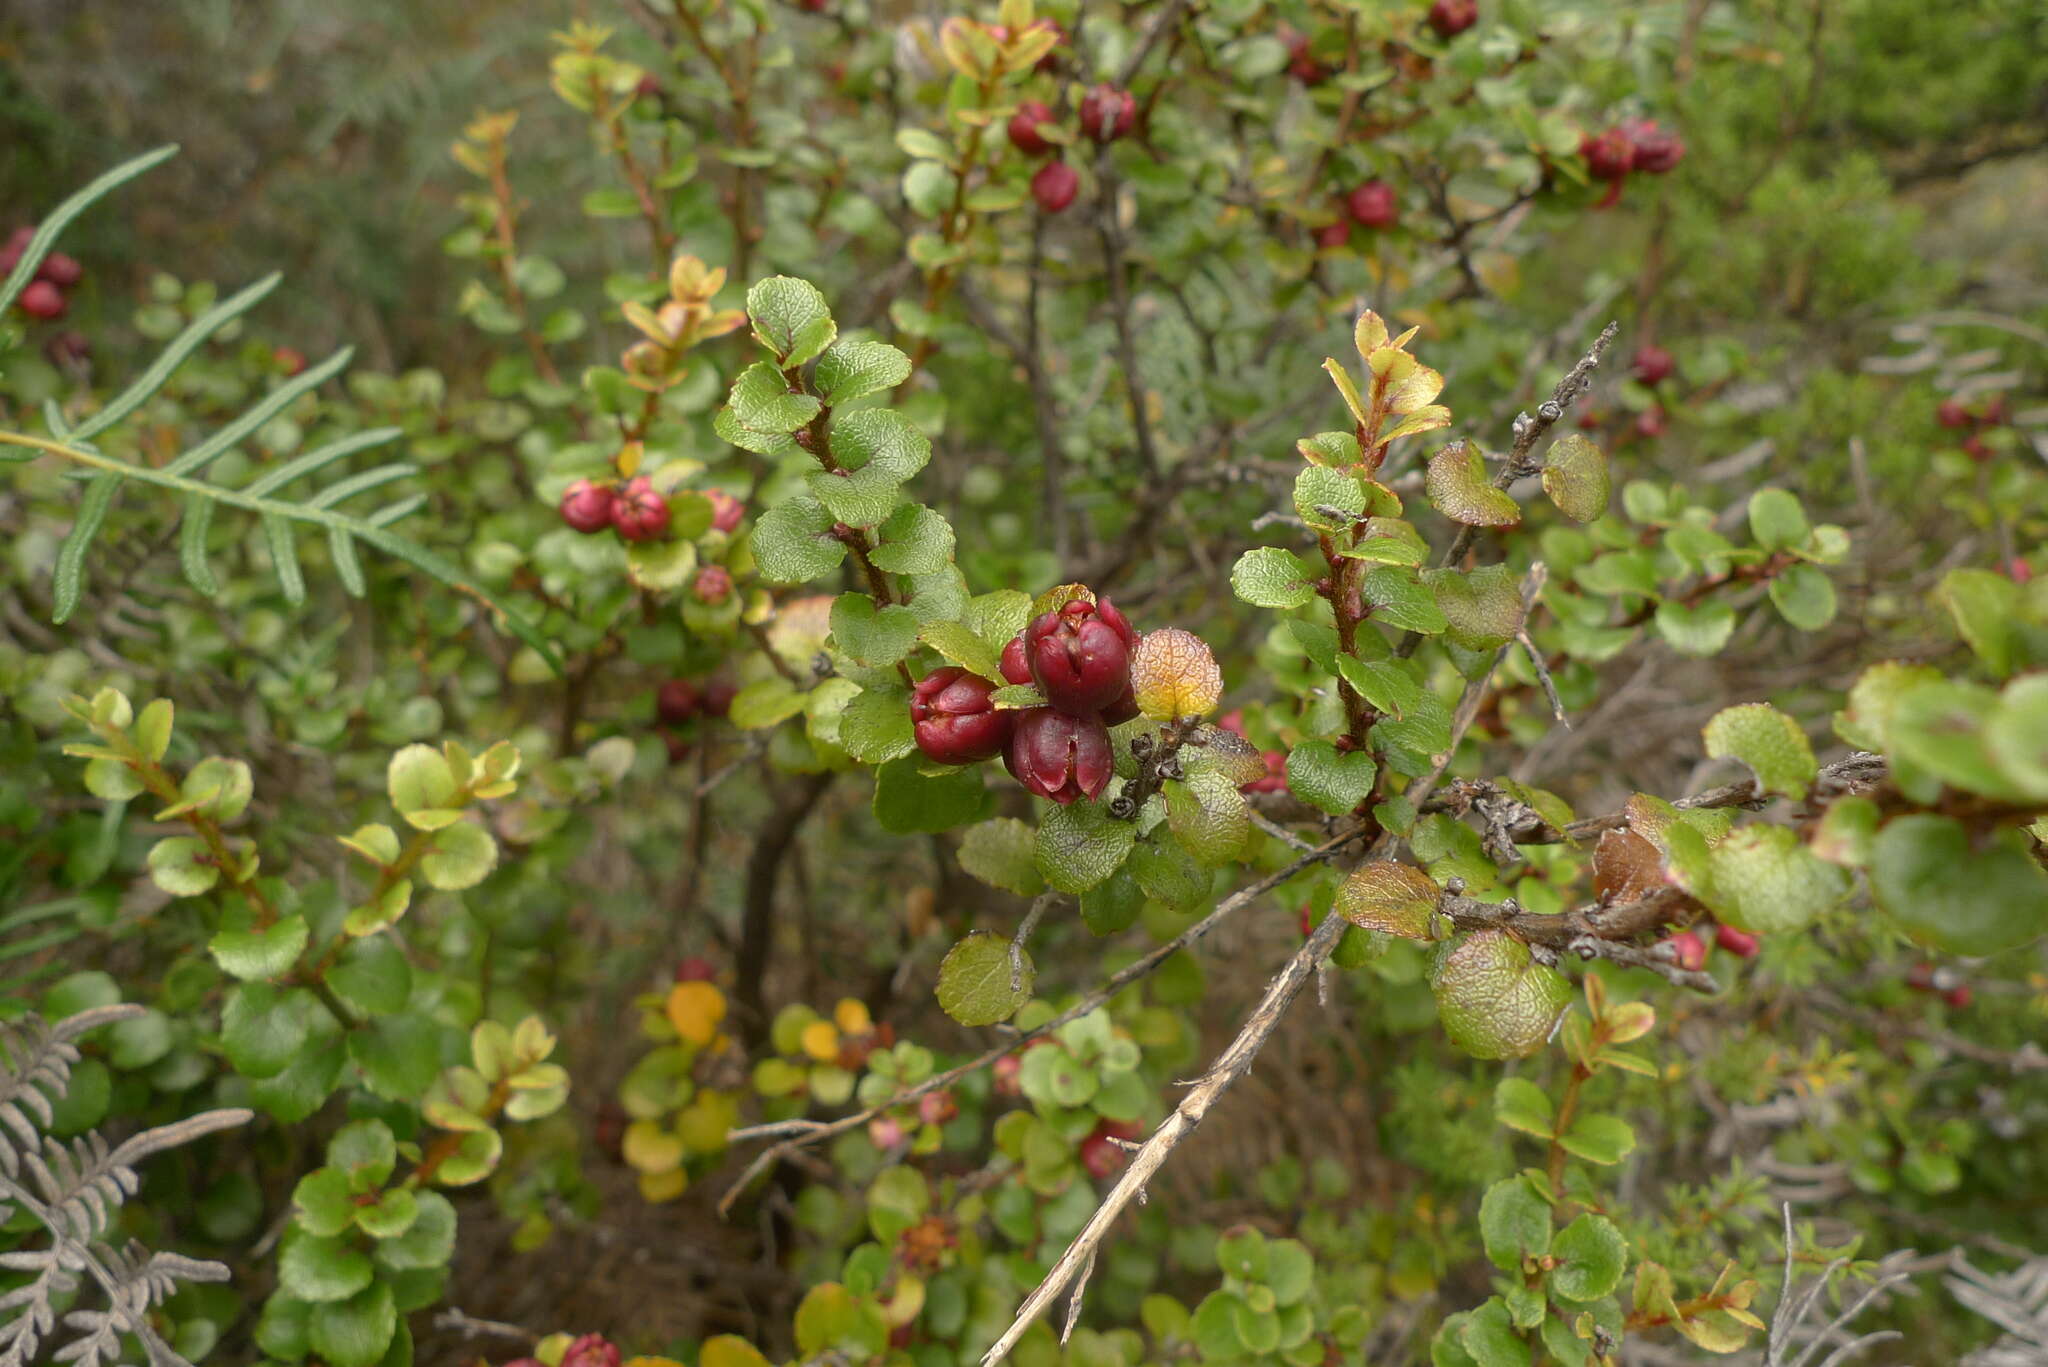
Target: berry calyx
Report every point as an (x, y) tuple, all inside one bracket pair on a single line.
[(1652, 364), (677, 701), (1060, 756), (953, 719), (587, 507), (639, 512), (1452, 17), (1373, 204), (1054, 186), (1740, 943), (1100, 1154), (42, 300), (713, 584), (1080, 656), (1108, 113), (1024, 135)]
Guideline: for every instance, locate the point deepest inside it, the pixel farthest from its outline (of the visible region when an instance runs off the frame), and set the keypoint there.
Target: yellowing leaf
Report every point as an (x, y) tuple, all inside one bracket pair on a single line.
[(1347, 387), (1419, 389), (821, 1041), (1174, 674), (695, 1009), (1458, 488), (852, 1016), (656, 1187), (651, 1149), (1394, 897), (1370, 334)]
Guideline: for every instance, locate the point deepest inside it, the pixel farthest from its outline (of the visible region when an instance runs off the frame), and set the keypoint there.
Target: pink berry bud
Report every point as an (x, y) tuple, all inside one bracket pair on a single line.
[(640, 513), (713, 584), (726, 511), (1689, 950), (936, 1108), (1652, 364), (587, 507), (1740, 943)]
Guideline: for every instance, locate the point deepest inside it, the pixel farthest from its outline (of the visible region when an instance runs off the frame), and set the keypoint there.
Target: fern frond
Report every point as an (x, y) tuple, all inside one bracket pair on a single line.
[(35, 1071), (279, 516)]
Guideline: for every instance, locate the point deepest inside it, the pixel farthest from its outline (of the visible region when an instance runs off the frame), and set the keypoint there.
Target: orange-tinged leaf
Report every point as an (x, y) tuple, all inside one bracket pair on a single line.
[(1390, 896), (1392, 367), (1428, 418), (695, 1009), (1174, 674), (1626, 867)]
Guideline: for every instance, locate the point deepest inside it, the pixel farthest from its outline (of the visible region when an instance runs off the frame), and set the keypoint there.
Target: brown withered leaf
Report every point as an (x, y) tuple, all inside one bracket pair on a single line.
[(1626, 867)]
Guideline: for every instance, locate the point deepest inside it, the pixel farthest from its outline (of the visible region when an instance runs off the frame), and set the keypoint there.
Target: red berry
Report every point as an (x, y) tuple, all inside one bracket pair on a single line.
[(677, 745), (677, 701), (587, 507), (1973, 446), (1099, 1155), (1608, 155), (60, 270), (1653, 364), (1233, 722), (1080, 656), (1951, 413), (288, 359), (886, 1131), (1739, 943), (718, 696), (954, 721), (1275, 780), (1055, 186), (1651, 149), (1108, 113), (639, 512), (1591, 419), (1059, 756), (42, 300), (592, 1350), (1005, 1074), (726, 511), (1957, 996), (1306, 921), (1373, 204), (1331, 236), (1300, 63), (1024, 128), (1689, 950), (1921, 977), (2018, 570), (647, 86), (712, 585), (1452, 17), (696, 969), (1650, 423), (1994, 412), (1015, 669), (936, 1108)]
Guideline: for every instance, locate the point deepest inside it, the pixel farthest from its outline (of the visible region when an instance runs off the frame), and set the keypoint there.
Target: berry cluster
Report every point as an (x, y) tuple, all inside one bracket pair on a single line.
[(679, 702), (1107, 113), (44, 298), (1689, 947), (638, 512), (1079, 657), (1639, 146), (1954, 415)]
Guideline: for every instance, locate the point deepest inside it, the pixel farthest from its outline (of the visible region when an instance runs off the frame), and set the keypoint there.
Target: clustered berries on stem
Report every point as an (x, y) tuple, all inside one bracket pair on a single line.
[(1107, 113), (1079, 657), (44, 297), (1638, 146), (1954, 415)]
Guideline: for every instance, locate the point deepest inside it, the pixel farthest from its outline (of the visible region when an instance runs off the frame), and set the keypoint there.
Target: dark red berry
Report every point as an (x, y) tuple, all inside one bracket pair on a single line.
[(1059, 756), (1951, 413), (1740, 943), (587, 507), (1652, 150), (1373, 204), (1452, 17), (1024, 128), (647, 86), (639, 512), (1958, 996), (1055, 186), (1331, 236), (1609, 155), (1690, 951), (1108, 113), (60, 270), (677, 701), (713, 584), (1591, 419), (1016, 669), (1080, 655), (718, 696), (1301, 64), (1099, 1154), (954, 720), (1653, 364), (1973, 446), (42, 300), (1994, 413), (696, 969), (1059, 35), (677, 745)]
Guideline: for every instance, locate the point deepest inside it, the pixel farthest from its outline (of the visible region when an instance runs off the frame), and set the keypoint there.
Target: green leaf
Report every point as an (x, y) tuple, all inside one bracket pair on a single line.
[(1290, 1270), (1391, 686), (1697, 631), (1113, 904), (182, 866), (879, 441), (908, 801), (1208, 816), (1768, 741), (875, 638), (790, 318), (1602, 1139), (1873, 699), (1330, 500), (958, 643), (1776, 520), (854, 370), (762, 400), (916, 540), (2016, 735), (1080, 844), (460, 856), (864, 498), (974, 981), (372, 976), (1939, 728), (320, 1270), (875, 726), (1396, 898), (1591, 1256), (1167, 873), (1521, 1105), (428, 1242), (1003, 853), (1269, 577), (1398, 598), (218, 788), (1954, 894), (1575, 478), (1483, 607), (399, 1055), (1986, 609), (1514, 1223), (1804, 596), (1763, 880), (390, 1215), (419, 779), (1493, 999), (1458, 487), (1488, 1334), (1328, 780), (323, 1203), (793, 541), (262, 1030), (765, 703), (355, 1332), (364, 1153), (254, 955)]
